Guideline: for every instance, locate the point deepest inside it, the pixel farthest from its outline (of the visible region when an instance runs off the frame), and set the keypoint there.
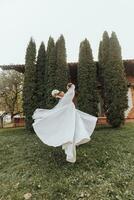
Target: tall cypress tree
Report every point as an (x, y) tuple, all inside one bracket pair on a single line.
[(61, 76), (100, 56), (103, 59), (87, 84), (29, 95), (115, 84), (103, 54), (51, 71), (41, 77)]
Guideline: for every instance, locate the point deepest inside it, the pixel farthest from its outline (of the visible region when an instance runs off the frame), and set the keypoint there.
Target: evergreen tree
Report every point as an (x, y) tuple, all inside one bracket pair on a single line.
[(51, 70), (87, 84), (103, 54), (115, 84), (29, 96), (100, 56), (61, 76), (103, 59), (40, 77)]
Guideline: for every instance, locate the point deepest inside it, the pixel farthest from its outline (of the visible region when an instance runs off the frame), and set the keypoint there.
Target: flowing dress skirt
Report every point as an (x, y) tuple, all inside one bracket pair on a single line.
[(64, 125)]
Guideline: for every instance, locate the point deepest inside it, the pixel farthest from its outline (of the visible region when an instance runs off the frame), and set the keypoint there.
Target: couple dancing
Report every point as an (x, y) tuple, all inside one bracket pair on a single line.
[(64, 125)]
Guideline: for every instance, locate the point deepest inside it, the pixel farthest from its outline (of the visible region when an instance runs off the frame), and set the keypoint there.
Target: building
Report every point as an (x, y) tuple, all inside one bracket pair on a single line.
[(129, 69)]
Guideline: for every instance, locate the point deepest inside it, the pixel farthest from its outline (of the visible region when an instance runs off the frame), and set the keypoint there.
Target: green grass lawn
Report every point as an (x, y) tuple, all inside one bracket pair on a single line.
[(104, 169)]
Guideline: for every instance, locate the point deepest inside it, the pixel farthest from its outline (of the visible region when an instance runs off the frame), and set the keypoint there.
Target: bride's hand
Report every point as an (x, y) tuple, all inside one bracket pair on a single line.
[(69, 85)]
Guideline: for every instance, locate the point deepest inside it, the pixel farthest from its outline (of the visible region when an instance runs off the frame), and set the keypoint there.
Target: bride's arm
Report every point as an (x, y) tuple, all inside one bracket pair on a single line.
[(70, 88), (69, 95), (69, 85)]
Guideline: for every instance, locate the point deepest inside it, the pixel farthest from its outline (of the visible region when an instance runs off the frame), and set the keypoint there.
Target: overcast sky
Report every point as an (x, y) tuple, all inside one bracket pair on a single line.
[(75, 19)]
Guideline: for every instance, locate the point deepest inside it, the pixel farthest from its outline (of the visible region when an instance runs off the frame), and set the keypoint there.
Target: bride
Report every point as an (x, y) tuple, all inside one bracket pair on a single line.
[(64, 125)]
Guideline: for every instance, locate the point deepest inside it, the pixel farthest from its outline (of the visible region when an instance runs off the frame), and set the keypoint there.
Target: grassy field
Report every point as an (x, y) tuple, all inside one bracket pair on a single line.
[(104, 169)]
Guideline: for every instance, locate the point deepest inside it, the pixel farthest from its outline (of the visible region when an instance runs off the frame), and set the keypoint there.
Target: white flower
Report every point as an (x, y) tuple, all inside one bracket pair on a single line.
[(54, 92)]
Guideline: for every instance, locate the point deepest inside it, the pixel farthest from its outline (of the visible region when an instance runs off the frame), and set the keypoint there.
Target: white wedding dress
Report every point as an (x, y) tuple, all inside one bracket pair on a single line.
[(64, 125)]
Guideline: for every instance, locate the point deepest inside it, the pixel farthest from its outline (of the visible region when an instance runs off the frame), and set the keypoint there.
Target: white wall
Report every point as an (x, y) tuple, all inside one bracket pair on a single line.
[(130, 102)]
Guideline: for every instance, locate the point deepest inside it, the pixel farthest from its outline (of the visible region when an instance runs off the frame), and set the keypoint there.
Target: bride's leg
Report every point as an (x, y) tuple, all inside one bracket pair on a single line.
[(70, 151)]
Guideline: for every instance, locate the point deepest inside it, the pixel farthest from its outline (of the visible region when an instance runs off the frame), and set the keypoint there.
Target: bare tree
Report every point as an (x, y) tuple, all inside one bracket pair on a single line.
[(11, 83)]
